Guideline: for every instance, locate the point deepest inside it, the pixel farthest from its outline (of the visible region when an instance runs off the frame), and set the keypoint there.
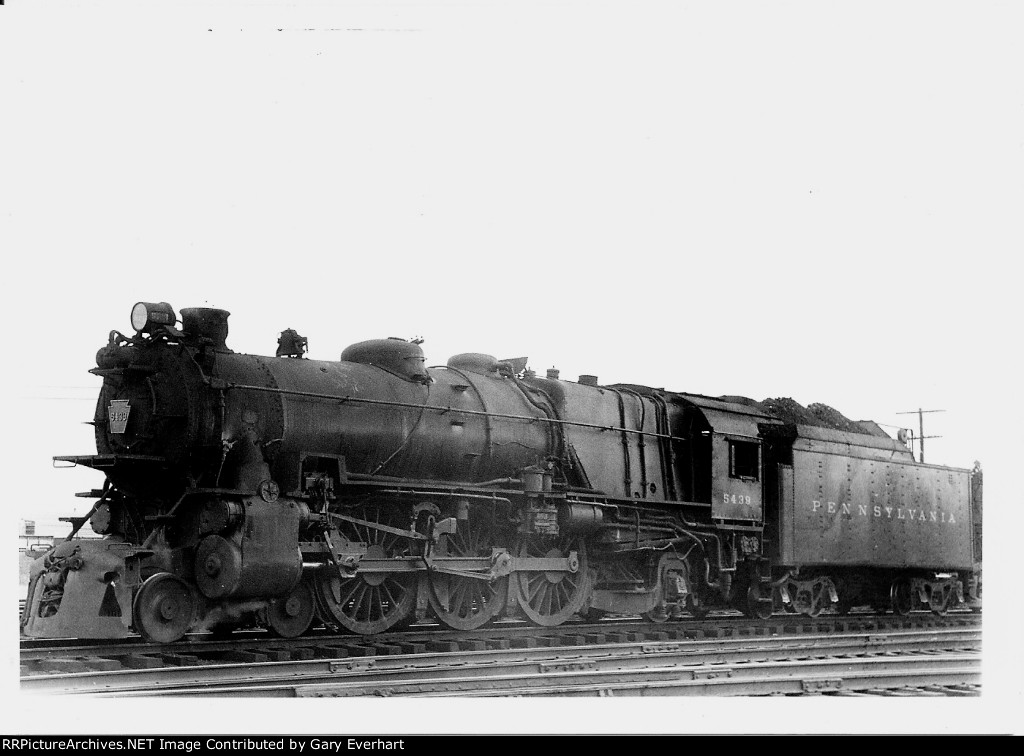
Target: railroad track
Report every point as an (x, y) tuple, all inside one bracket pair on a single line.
[(723, 658), (430, 636)]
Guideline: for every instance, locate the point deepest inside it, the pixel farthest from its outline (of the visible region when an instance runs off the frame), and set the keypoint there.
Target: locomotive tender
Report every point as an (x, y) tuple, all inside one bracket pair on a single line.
[(373, 491)]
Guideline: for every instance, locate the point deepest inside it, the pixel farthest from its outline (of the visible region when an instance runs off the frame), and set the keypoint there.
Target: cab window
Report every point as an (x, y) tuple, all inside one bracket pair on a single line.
[(744, 459)]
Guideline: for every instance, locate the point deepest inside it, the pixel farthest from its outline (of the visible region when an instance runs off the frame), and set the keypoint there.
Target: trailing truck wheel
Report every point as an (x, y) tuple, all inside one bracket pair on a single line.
[(164, 608)]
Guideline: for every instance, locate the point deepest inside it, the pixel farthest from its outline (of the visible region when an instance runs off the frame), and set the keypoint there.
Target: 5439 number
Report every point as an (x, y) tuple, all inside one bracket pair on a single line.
[(736, 499)]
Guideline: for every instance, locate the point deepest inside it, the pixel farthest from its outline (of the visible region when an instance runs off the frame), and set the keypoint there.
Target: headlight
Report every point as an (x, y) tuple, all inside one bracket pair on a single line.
[(148, 315)]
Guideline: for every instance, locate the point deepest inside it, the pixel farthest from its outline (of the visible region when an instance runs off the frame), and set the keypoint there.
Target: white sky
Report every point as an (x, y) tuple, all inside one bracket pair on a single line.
[(817, 201)]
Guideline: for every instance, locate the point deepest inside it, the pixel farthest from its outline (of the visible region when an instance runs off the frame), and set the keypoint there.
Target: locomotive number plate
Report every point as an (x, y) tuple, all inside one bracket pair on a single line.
[(117, 414), (740, 499)]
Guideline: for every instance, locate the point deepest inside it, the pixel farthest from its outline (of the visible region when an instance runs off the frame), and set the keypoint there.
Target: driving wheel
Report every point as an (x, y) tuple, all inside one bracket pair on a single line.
[(368, 602), (550, 597), (462, 602)]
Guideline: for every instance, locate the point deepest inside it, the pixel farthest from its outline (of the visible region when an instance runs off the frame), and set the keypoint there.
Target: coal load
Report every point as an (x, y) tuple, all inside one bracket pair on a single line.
[(820, 415)]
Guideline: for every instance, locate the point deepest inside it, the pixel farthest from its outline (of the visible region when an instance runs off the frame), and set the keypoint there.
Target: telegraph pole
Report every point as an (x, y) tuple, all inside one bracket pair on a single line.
[(920, 419)]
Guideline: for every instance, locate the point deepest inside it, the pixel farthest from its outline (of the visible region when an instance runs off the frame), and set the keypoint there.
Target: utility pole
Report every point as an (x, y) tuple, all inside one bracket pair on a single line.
[(920, 420)]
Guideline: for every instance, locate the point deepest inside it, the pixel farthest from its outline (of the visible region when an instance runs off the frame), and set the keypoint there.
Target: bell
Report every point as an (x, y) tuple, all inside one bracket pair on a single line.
[(291, 344)]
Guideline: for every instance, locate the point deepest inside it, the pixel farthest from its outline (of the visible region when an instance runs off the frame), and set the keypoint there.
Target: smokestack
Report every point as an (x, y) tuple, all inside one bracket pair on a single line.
[(207, 323)]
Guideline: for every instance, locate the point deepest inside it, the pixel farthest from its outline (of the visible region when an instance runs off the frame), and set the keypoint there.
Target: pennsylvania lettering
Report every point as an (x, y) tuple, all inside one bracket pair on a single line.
[(883, 512)]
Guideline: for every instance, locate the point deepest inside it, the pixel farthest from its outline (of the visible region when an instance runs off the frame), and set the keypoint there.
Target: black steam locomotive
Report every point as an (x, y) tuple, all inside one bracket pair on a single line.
[(373, 491)]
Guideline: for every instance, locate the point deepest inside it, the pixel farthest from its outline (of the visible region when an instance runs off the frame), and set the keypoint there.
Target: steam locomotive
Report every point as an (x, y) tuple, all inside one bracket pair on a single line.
[(372, 492)]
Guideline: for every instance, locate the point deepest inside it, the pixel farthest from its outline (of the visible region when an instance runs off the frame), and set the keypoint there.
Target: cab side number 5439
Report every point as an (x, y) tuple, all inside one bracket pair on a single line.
[(739, 499)]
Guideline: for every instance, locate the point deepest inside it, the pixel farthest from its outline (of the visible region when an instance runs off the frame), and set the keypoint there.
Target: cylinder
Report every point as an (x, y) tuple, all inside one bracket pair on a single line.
[(221, 570)]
